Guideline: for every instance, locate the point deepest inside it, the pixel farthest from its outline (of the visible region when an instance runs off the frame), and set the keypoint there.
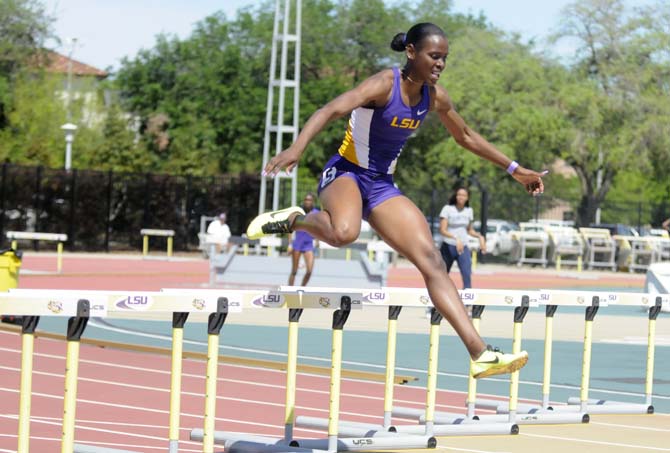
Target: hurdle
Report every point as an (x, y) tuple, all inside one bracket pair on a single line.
[(146, 232), (218, 303), (544, 413), (31, 305), (296, 299), (15, 236), (397, 298), (446, 423), (653, 303)]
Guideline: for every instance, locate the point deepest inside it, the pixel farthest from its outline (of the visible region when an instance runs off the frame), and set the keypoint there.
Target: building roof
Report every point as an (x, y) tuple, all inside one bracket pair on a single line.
[(57, 63)]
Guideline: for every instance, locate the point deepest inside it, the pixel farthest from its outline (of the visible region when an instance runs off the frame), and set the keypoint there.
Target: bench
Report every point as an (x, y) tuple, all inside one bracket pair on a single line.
[(146, 232), (16, 236)]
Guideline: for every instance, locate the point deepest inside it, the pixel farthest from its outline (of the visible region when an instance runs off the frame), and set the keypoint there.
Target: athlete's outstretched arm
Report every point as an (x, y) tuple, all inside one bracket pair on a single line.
[(372, 91), (472, 141)]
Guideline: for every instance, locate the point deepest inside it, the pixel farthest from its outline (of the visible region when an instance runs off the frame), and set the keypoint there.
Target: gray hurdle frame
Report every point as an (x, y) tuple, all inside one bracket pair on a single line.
[(398, 298), (653, 303), (451, 423), (342, 301), (544, 413), (582, 404)]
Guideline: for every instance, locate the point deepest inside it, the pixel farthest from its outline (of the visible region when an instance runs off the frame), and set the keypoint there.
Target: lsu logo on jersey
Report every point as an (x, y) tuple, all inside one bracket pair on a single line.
[(405, 123)]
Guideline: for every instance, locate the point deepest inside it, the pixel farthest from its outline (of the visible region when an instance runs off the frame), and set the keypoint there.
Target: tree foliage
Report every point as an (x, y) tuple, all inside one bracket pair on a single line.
[(201, 101)]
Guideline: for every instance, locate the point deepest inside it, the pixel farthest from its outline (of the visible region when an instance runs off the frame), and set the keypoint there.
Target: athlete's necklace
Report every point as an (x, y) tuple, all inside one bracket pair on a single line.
[(409, 78)]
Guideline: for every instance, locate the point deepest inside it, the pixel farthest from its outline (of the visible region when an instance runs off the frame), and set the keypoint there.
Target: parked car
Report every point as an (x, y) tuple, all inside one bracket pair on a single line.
[(498, 235), (617, 229)]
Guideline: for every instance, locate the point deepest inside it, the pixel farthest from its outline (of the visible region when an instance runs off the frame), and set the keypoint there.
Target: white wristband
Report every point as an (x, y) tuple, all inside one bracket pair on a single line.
[(512, 166)]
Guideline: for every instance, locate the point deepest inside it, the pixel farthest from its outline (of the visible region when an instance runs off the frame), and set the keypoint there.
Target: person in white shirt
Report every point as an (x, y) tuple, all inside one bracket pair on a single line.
[(455, 226), (218, 233)]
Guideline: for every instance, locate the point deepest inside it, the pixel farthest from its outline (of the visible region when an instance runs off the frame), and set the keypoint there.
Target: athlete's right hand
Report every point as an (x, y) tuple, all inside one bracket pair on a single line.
[(287, 159)]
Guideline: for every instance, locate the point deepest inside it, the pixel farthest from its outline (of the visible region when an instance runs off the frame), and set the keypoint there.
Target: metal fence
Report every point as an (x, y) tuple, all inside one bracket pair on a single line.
[(104, 211)]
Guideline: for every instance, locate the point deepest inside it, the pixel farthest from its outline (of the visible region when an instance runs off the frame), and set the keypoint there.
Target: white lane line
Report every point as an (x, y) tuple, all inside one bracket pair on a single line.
[(441, 447), (644, 428), (597, 442), (58, 441)]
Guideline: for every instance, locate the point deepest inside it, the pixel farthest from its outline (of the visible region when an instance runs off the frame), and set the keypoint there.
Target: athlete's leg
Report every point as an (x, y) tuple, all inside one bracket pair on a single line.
[(401, 225), (309, 265), (339, 221), (295, 259)]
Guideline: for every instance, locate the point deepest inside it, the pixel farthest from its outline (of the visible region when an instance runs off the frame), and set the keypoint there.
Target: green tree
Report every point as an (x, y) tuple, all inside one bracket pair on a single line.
[(24, 28), (613, 104)]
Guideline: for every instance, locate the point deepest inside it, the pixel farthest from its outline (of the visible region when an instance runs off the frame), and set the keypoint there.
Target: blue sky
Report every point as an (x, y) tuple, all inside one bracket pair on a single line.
[(108, 30)]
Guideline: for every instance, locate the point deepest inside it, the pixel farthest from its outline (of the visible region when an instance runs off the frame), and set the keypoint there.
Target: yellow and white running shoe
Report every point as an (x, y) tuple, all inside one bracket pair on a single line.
[(274, 222), (493, 361)]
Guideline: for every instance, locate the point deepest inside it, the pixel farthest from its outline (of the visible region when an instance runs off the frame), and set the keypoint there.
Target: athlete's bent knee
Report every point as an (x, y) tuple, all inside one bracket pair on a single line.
[(343, 236)]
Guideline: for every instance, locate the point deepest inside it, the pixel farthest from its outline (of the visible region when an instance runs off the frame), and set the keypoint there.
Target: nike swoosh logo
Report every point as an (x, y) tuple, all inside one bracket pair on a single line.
[(421, 112), (491, 361)]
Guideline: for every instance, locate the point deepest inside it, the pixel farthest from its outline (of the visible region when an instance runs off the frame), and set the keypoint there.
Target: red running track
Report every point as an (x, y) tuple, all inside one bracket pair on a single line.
[(123, 398)]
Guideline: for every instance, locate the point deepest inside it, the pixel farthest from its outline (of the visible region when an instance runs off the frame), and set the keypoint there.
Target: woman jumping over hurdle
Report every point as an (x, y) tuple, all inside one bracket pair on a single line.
[(357, 181)]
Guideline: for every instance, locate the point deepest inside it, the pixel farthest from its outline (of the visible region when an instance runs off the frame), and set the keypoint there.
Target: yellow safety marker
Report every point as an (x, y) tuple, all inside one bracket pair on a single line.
[(75, 328), (474, 260), (291, 371), (25, 392), (145, 245), (215, 323), (169, 246), (178, 321)]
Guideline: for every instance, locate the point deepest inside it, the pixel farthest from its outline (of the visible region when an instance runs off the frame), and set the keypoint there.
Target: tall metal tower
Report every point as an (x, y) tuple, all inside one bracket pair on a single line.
[(286, 33)]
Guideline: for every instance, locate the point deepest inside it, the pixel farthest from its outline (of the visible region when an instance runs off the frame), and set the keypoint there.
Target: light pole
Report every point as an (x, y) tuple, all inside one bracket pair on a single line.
[(69, 129)]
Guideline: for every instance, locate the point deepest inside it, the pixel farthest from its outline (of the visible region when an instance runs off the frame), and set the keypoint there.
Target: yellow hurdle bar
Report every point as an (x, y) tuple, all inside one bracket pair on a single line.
[(472, 382), (75, 328), (339, 319), (291, 371), (25, 392), (178, 320), (145, 245), (586, 360), (391, 346), (548, 349), (70, 400), (215, 322), (59, 258), (514, 378), (169, 246), (431, 377)]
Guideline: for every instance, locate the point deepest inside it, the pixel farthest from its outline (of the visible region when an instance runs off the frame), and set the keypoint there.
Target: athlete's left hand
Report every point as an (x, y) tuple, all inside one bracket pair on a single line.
[(531, 180)]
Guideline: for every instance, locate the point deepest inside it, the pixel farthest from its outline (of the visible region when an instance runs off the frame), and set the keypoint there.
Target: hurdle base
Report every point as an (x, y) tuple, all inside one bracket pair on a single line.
[(440, 418), (502, 407), (345, 428), (538, 418), (226, 437), (466, 429), (81, 448), (395, 442), (243, 446), (613, 406)]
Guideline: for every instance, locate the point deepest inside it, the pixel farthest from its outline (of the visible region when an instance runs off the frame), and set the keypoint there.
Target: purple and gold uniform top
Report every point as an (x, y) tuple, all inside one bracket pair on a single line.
[(375, 136)]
